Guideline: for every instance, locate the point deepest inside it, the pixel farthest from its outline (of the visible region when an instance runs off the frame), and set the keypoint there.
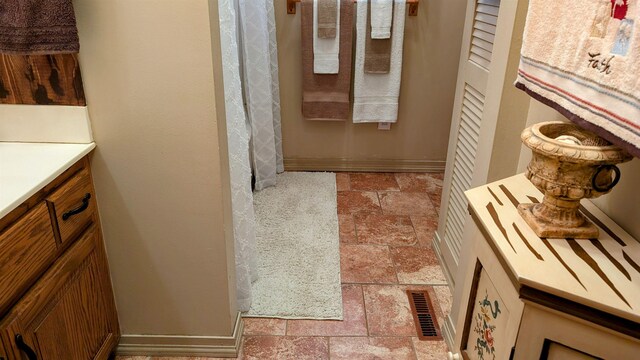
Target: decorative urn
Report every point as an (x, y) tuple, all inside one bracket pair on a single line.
[(568, 164)]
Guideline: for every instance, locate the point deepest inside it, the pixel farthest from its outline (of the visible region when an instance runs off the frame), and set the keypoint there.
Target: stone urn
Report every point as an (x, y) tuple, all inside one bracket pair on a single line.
[(568, 164)]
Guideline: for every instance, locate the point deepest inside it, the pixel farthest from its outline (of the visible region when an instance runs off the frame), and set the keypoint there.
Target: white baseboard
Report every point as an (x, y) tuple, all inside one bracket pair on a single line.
[(176, 345), (40, 123)]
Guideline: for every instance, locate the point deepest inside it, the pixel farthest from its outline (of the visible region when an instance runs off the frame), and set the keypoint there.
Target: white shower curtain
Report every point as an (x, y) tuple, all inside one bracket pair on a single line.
[(248, 44), (239, 164), (261, 88)]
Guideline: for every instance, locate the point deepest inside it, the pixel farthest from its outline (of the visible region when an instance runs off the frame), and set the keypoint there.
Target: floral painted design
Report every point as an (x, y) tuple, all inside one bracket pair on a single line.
[(484, 328)]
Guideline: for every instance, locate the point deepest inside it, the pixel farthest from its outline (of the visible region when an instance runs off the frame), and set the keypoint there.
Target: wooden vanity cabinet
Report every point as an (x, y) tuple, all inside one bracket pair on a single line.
[(69, 312)]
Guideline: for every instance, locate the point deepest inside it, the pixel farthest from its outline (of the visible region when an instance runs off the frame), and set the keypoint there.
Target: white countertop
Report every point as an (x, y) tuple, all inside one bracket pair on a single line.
[(25, 168)]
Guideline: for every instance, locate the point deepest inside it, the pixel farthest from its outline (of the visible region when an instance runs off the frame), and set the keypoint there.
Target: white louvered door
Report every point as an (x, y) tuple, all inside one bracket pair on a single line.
[(485, 96), (473, 74)]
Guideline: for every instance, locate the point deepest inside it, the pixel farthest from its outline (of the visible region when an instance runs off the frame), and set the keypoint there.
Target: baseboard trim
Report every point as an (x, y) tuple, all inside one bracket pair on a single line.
[(368, 165), (170, 345)]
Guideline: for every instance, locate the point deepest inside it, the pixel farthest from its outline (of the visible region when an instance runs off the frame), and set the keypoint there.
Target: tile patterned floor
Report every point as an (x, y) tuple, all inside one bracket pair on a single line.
[(387, 223)]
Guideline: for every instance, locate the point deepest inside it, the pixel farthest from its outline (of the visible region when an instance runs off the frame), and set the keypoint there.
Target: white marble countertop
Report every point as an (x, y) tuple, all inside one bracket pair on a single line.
[(25, 168)]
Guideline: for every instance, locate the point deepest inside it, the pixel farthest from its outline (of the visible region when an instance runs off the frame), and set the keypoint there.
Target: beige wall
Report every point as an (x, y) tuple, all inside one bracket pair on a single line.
[(160, 170), (419, 139), (622, 204)]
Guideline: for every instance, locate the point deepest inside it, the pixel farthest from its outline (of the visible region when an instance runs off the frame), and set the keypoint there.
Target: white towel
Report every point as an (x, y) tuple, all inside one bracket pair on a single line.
[(325, 51), (583, 59), (381, 15), (376, 95)]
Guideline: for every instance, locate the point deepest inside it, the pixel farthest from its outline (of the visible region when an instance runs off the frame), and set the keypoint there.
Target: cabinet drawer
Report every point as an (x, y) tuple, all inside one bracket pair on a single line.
[(73, 205), (27, 248)]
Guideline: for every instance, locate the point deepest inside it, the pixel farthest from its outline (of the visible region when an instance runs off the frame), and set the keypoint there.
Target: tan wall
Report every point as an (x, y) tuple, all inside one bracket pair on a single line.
[(622, 204), (162, 187), (431, 53)]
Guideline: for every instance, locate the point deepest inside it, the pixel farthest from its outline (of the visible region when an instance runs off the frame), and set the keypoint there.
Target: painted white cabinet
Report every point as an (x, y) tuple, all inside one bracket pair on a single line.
[(524, 297)]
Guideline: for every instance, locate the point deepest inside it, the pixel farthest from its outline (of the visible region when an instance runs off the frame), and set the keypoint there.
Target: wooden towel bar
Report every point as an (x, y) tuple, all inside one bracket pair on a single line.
[(413, 6)]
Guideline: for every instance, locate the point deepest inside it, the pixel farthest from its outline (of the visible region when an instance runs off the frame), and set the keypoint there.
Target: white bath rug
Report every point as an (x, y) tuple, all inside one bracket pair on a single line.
[(298, 248)]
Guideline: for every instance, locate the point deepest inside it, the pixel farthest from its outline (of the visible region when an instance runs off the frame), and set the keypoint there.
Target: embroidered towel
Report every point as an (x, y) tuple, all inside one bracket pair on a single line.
[(377, 52), (326, 96), (327, 18), (38, 27), (381, 18), (582, 59), (325, 51), (376, 95)]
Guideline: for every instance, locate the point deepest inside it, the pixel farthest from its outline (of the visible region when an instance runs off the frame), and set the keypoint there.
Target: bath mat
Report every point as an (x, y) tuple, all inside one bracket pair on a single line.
[(298, 249)]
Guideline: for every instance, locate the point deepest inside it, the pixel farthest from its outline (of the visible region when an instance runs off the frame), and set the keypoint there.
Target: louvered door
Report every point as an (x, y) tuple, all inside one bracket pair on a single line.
[(487, 110), (463, 165), (476, 57)]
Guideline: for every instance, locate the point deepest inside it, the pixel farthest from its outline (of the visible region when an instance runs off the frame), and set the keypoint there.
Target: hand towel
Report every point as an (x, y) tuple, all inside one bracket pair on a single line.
[(325, 51), (376, 95), (377, 52), (326, 97), (38, 27), (381, 18), (327, 18), (581, 58)]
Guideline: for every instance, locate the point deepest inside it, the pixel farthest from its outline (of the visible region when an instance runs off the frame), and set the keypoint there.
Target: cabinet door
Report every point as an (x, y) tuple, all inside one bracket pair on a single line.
[(4, 352), (69, 313), (548, 334)]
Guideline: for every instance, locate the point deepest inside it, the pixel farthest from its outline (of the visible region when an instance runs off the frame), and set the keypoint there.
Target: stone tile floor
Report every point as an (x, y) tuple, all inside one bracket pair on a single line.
[(387, 222)]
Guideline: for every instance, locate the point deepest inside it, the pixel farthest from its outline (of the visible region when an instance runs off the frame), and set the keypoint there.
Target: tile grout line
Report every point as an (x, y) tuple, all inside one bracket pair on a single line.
[(364, 308)]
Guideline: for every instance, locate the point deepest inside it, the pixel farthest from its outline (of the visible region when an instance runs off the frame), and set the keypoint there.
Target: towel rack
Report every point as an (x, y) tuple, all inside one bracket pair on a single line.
[(413, 6)]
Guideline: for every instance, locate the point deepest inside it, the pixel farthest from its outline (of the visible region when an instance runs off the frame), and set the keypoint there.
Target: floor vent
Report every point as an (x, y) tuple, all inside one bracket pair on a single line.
[(424, 315)]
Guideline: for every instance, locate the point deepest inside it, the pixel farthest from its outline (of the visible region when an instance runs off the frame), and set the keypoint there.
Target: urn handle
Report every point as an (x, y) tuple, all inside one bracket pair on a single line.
[(614, 182)]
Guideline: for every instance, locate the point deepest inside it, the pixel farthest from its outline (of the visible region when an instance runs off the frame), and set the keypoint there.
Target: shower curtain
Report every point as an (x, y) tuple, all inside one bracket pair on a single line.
[(261, 88), (247, 40)]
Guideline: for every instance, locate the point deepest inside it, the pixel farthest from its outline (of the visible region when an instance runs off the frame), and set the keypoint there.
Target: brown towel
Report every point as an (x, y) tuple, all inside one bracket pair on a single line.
[(377, 52), (326, 96), (327, 14), (38, 27)]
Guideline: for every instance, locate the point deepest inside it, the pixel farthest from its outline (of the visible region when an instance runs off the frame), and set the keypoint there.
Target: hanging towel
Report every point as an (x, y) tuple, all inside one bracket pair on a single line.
[(327, 18), (326, 52), (376, 95), (326, 97), (38, 27), (377, 52), (582, 59), (381, 18)]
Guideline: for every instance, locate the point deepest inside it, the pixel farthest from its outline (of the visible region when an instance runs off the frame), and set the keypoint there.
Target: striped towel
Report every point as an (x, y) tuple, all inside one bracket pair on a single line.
[(583, 59)]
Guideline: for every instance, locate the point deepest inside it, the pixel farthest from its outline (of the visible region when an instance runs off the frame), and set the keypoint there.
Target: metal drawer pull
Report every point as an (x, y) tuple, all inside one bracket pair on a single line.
[(78, 210), (31, 355)]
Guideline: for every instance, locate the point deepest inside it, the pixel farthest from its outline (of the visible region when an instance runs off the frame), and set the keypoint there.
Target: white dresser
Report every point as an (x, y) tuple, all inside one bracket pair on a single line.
[(530, 298)]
